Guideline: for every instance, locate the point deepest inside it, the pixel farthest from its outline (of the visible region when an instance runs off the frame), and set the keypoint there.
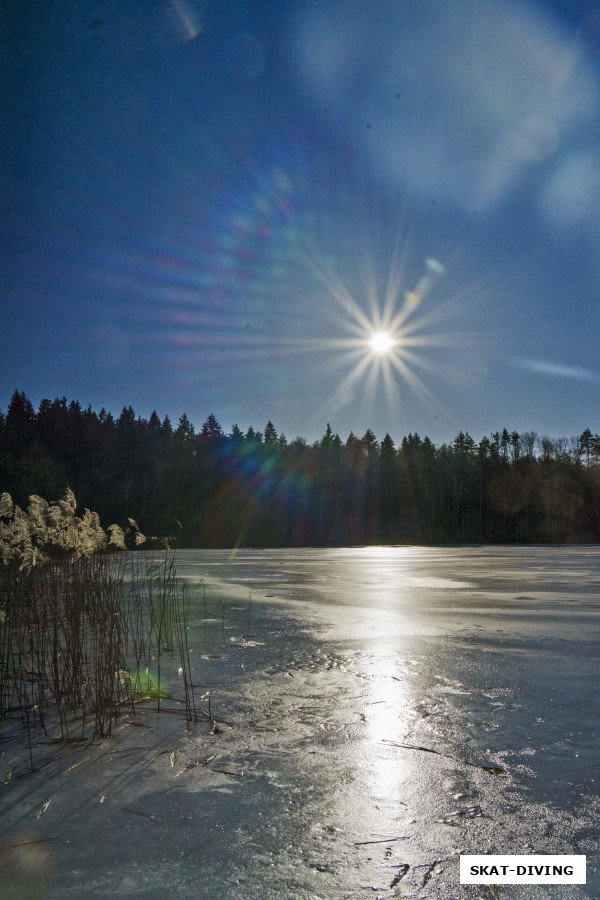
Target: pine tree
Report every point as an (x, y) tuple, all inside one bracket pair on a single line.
[(464, 444), (185, 429), (370, 444), (126, 421), (388, 451), (253, 438), (211, 429), (236, 438), (327, 438), (270, 434), (20, 420), (154, 423)]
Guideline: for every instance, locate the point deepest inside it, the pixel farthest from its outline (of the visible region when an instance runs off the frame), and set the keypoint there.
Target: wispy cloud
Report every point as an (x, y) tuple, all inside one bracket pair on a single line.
[(578, 373)]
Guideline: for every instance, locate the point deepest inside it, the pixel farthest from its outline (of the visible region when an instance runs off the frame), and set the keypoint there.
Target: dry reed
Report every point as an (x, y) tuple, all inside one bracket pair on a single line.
[(84, 633)]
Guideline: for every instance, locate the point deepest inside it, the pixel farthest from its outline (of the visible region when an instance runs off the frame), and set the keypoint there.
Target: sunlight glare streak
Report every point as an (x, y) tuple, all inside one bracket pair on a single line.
[(416, 384), (337, 290), (443, 369), (394, 282), (391, 389), (344, 392), (373, 375)]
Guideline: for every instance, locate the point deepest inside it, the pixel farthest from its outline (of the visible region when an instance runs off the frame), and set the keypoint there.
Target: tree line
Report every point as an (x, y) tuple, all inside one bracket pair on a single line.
[(255, 488)]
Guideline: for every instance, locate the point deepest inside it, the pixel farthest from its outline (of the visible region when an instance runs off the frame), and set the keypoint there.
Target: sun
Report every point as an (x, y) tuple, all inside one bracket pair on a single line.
[(387, 339), (382, 342)]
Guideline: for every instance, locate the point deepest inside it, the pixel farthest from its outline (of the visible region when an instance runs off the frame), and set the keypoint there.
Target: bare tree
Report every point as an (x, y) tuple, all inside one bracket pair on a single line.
[(528, 444)]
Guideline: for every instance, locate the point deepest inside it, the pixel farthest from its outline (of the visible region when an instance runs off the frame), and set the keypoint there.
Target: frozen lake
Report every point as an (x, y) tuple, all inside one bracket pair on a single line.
[(381, 711)]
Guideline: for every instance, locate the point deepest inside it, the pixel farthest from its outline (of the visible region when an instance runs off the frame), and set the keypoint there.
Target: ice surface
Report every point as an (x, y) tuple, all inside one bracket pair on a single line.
[(364, 699)]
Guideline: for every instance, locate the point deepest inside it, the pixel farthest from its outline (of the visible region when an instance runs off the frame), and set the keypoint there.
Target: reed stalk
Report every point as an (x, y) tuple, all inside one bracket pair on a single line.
[(77, 635)]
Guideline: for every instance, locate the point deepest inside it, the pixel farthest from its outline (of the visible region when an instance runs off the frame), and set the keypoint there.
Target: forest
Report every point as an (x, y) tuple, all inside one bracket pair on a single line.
[(209, 488)]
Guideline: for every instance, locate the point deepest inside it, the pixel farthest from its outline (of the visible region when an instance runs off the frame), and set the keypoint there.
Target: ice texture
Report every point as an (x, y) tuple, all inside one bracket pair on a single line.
[(379, 711)]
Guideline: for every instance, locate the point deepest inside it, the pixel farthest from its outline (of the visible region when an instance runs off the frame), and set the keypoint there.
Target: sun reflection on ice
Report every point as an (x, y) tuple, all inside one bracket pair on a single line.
[(387, 709), (386, 718)]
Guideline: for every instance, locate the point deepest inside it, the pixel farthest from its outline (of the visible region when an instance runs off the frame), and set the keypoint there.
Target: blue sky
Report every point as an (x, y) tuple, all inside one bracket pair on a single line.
[(210, 206)]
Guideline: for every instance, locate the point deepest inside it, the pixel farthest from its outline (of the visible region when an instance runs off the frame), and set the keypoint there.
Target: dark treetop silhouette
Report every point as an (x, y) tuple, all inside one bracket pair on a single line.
[(215, 489)]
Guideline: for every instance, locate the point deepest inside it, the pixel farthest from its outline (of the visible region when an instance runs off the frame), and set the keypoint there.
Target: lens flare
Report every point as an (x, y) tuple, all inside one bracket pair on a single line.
[(185, 18), (259, 283), (389, 340)]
